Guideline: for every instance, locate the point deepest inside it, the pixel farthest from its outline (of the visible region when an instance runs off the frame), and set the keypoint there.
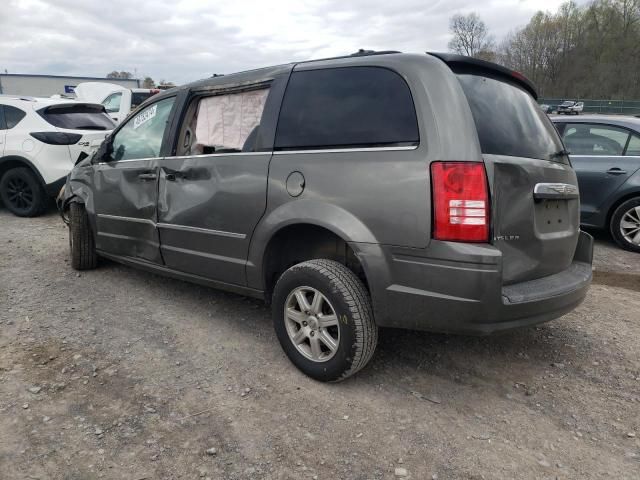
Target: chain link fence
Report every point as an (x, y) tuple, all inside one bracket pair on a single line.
[(616, 107)]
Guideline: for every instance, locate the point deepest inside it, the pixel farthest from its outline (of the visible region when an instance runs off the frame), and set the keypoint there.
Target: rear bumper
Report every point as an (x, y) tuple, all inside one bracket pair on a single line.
[(53, 188), (458, 288)]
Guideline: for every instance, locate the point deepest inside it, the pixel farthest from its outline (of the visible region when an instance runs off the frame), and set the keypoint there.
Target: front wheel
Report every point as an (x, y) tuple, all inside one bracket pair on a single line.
[(323, 319), (625, 225), (81, 242)]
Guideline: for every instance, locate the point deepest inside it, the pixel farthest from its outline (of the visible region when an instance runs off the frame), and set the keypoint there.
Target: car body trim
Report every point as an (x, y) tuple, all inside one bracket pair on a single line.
[(198, 253), (182, 157), (555, 191), (172, 226), (186, 228), (127, 219), (346, 150), (128, 237), (189, 277)]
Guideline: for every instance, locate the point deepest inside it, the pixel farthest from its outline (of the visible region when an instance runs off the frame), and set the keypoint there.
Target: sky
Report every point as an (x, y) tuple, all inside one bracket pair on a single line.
[(185, 40)]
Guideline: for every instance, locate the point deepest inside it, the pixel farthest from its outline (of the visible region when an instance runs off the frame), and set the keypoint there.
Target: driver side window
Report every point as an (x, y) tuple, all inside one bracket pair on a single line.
[(141, 136), (112, 102)]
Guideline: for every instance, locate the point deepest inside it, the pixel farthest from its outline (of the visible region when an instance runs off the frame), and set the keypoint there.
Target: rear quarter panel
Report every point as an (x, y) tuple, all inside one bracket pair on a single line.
[(383, 196)]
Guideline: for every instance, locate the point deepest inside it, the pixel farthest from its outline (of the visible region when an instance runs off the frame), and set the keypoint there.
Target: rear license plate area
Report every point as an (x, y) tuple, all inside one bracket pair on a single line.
[(552, 216)]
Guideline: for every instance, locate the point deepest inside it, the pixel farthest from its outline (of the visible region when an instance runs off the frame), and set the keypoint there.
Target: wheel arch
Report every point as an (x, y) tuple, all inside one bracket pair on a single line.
[(302, 220), (16, 161), (628, 195)]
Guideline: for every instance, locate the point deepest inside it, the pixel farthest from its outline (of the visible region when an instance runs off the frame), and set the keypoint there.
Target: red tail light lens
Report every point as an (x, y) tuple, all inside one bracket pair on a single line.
[(460, 201)]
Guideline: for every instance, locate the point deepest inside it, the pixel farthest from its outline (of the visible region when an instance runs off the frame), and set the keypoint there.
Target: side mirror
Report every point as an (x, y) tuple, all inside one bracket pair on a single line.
[(104, 152)]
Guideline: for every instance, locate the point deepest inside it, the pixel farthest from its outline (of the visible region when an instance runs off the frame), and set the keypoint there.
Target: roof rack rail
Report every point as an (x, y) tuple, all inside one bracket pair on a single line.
[(363, 53), (360, 53)]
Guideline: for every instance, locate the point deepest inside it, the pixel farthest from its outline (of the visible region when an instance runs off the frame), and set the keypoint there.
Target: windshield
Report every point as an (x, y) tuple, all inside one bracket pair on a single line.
[(567, 104), (509, 121), (74, 116)]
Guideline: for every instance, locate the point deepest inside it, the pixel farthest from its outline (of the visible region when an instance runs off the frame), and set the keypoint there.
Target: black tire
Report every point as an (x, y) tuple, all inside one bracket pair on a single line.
[(22, 192), (348, 297), (81, 243), (616, 224)]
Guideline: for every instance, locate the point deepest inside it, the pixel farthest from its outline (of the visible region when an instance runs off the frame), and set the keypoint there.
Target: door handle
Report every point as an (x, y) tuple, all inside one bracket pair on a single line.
[(172, 175), (616, 171), (147, 176)]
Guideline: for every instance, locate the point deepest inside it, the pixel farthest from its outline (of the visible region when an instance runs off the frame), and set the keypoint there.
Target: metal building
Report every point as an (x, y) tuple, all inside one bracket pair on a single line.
[(47, 85)]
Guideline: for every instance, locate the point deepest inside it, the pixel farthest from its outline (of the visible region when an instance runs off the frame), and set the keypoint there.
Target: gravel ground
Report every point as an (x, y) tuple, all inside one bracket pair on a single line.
[(117, 373)]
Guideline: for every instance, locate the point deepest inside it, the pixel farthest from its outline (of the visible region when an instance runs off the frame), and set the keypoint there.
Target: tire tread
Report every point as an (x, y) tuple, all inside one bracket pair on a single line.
[(357, 297), (82, 246)]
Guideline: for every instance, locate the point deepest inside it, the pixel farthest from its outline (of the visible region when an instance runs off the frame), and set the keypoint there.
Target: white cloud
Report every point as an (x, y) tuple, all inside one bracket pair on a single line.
[(191, 39)]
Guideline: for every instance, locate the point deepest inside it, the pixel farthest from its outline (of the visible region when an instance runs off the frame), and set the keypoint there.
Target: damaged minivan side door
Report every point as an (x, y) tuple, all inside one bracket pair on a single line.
[(126, 185), (212, 193)]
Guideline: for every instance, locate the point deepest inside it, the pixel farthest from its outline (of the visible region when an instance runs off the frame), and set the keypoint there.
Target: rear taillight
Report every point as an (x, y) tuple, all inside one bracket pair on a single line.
[(57, 138), (460, 201)]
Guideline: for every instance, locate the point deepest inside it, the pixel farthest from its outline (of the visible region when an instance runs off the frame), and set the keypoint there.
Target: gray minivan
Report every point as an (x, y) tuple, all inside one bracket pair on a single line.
[(380, 189)]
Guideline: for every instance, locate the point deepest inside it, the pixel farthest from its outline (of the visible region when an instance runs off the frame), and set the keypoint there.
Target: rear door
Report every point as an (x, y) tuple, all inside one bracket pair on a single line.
[(126, 187), (598, 157), (213, 193), (535, 204)]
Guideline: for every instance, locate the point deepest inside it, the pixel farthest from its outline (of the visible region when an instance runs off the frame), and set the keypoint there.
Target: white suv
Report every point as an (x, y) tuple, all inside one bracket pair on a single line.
[(117, 100), (40, 141)]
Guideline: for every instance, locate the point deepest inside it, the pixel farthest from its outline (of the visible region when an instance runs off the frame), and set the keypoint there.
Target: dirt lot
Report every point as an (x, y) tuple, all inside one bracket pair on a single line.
[(116, 373)]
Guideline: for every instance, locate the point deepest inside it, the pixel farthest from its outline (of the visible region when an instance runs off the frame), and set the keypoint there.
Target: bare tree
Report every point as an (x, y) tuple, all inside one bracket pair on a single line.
[(470, 36)]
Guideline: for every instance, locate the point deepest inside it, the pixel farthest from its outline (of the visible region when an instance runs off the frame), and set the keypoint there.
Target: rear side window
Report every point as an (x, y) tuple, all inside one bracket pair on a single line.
[(508, 119), (223, 123), (12, 116), (348, 108), (78, 117), (633, 149), (593, 139)]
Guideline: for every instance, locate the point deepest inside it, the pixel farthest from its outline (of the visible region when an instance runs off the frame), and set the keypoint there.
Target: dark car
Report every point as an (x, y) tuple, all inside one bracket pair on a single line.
[(546, 108), (605, 153), (426, 192)]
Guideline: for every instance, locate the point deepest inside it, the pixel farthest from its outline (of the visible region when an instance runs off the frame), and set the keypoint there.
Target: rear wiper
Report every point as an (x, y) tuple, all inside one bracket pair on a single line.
[(559, 153)]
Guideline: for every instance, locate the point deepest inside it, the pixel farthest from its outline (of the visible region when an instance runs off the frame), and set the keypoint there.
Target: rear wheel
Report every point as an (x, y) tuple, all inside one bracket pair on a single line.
[(323, 319), (81, 243), (22, 192), (625, 225)]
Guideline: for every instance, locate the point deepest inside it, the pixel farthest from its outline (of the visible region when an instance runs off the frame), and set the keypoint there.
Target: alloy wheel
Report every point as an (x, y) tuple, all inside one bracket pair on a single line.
[(630, 225), (19, 193), (312, 324)]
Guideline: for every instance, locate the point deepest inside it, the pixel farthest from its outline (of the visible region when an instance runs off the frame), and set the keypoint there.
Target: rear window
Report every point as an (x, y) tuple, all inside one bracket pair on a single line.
[(138, 97), (509, 121), (347, 107), (78, 117)]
